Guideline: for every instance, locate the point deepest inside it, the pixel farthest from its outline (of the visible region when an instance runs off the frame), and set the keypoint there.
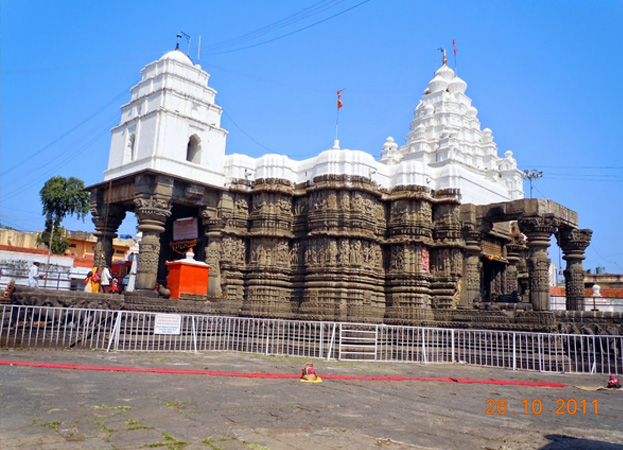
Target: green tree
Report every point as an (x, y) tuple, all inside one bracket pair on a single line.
[(61, 197)]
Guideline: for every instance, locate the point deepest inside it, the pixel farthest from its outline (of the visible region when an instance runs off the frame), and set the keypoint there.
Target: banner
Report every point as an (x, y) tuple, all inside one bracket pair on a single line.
[(184, 229)]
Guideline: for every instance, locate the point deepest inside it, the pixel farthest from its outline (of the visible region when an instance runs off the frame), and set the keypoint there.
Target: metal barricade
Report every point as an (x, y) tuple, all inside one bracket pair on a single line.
[(68, 328)]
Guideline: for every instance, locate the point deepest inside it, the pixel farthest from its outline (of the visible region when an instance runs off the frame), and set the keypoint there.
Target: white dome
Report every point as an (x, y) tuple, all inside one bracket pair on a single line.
[(457, 85), (437, 84), (445, 72), (472, 112), (176, 55)]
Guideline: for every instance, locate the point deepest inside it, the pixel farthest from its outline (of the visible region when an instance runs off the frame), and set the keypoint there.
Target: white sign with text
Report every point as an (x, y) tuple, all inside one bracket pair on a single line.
[(168, 324)]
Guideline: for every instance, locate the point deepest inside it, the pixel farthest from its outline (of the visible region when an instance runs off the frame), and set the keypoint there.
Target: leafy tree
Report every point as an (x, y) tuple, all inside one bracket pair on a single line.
[(61, 197)]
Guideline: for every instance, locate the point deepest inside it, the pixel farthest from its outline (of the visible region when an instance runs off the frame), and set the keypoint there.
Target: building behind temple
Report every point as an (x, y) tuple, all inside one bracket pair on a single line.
[(434, 224)]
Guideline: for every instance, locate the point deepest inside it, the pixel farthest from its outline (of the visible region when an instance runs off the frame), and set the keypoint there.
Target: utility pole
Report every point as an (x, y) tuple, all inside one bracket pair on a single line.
[(532, 175)]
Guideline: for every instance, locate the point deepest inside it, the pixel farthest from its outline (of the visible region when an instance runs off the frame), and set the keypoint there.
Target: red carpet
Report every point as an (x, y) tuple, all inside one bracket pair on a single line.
[(273, 375)]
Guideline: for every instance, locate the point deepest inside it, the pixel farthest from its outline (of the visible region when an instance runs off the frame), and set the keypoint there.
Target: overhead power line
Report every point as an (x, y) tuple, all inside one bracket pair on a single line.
[(292, 32), (68, 132), (303, 14)]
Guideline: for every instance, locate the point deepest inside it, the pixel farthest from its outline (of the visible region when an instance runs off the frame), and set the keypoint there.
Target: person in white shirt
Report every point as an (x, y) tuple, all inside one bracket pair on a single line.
[(106, 277), (33, 275)]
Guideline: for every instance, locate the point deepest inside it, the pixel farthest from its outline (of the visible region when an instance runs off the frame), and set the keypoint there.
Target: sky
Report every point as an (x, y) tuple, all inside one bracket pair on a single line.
[(544, 76)]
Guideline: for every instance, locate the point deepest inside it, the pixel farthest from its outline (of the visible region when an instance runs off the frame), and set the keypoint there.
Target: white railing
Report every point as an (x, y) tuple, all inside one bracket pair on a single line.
[(50, 327), (603, 304)]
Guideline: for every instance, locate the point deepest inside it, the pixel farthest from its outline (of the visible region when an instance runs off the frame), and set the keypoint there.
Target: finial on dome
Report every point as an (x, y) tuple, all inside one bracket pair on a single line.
[(443, 50)]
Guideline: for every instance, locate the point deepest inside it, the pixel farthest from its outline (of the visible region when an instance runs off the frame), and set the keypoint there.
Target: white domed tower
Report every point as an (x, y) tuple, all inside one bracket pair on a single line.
[(170, 125), (446, 139)]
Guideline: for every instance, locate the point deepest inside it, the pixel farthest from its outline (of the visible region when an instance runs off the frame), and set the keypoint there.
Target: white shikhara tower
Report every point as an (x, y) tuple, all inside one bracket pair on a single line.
[(446, 146), (172, 125)]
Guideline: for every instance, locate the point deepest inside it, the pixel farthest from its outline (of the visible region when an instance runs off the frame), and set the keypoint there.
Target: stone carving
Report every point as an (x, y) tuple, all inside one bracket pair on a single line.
[(397, 259), (295, 254), (344, 252), (332, 253), (424, 260), (516, 236), (152, 203), (233, 250), (332, 200), (301, 206), (357, 202), (344, 197), (284, 206), (260, 205), (265, 253), (213, 252), (242, 204), (282, 254)]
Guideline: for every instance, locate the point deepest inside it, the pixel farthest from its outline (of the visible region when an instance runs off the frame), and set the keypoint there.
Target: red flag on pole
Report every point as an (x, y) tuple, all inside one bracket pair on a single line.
[(339, 101), (454, 47)]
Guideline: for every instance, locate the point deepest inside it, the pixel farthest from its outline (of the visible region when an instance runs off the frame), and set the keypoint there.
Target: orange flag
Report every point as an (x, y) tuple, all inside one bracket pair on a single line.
[(339, 101)]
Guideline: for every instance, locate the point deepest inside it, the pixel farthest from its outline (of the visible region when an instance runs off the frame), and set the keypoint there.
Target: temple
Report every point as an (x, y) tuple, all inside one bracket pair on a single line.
[(437, 224)]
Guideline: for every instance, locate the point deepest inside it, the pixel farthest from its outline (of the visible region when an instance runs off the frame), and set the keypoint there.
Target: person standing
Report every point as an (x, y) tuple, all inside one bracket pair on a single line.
[(105, 279), (33, 275), (95, 281), (87, 282)]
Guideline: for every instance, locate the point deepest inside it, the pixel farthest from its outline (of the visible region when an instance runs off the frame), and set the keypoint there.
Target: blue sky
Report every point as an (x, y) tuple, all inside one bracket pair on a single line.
[(544, 76)]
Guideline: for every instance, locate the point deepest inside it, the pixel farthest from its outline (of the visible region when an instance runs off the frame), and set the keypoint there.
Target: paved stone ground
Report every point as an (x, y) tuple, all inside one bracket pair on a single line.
[(43, 408)]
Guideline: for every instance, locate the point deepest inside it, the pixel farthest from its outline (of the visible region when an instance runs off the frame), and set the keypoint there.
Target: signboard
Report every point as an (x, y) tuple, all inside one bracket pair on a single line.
[(168, 324), (184, 229)]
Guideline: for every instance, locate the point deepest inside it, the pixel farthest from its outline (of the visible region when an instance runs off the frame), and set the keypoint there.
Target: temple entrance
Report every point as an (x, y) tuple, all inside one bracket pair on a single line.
[(492, 285), (183, 231)]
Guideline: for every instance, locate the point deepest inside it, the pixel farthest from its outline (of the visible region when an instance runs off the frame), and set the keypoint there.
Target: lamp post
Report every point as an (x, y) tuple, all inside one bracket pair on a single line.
[(532, 175)]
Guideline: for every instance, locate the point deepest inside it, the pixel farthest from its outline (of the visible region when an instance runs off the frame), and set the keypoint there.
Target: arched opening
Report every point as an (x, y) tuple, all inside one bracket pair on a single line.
[(193, 151), (132, 147)]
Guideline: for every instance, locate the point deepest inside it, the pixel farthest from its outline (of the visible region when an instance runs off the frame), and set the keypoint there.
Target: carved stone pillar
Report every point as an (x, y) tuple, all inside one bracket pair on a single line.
[(538, 230), (213, 233), (152, 213), (106, 219), (573, 243), (472, 268), (513, 252)]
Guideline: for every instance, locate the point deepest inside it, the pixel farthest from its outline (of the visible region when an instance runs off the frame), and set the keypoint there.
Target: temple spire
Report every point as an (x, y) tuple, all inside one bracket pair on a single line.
[(445, 59)]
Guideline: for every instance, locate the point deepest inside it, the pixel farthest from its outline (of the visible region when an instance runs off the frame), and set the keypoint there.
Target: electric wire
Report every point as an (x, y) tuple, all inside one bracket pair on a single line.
[(303, 14), (246, 134), (290, 33), (67, 133), (30, 183)]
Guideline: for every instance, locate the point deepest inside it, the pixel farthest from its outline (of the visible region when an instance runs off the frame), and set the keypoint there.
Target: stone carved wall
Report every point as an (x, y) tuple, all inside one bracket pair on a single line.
[(339, 258), (338, 248), (268, 274)]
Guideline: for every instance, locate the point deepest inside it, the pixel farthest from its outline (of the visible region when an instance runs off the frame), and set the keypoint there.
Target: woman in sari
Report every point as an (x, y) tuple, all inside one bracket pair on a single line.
[(95, 280)]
